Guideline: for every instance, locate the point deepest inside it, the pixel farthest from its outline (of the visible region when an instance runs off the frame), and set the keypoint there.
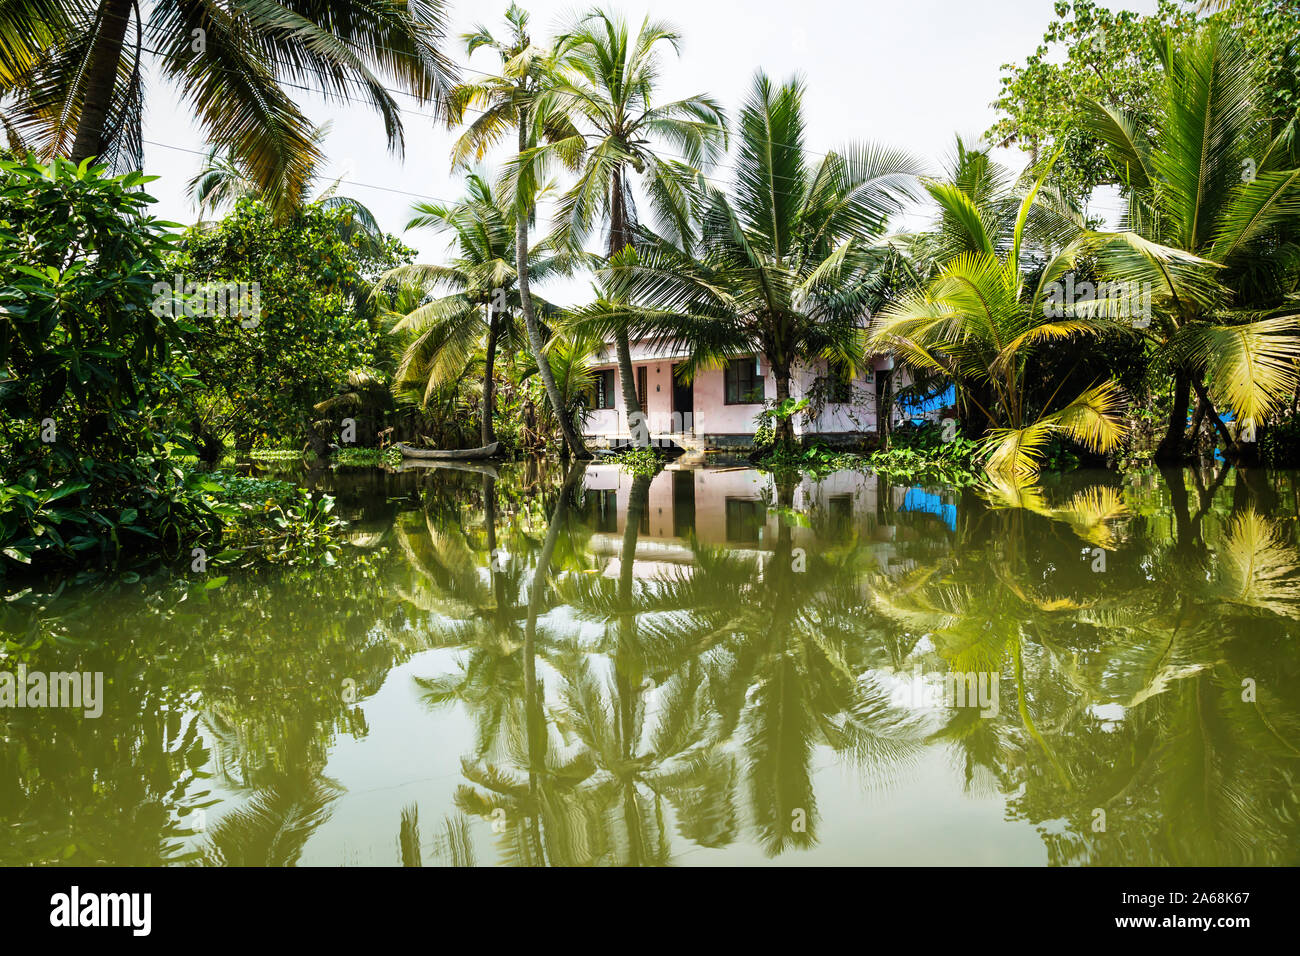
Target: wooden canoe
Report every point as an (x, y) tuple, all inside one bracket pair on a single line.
[(450, 454)]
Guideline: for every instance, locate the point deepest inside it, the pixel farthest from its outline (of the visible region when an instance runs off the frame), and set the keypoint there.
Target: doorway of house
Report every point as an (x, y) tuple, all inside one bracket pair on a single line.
[(683, 419), (683, 502)]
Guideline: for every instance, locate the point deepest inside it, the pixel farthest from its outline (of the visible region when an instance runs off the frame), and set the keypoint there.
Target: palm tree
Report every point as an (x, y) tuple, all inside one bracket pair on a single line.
[(782, 637), (607, 81), (550, 813), (1221, 182), (516, 98), (482, 309), (787, 267), (223, 179), (641, 755), (571, 358), (76, 79), (979, 319), (1165, 655), (992, 302)]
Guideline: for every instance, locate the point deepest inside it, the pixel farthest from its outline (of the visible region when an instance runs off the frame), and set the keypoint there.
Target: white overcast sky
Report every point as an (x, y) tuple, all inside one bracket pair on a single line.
[(909, 74)]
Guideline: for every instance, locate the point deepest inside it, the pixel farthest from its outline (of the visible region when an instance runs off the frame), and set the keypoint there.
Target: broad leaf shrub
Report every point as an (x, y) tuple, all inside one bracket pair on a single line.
[(90, 374)]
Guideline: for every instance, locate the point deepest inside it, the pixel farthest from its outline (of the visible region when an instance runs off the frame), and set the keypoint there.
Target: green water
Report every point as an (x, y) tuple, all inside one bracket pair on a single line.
[(710, 667)]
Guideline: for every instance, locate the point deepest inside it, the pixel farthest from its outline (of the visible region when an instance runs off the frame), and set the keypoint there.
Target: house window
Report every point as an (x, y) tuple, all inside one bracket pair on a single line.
[(743, 387), (839, 386), (745, 520), (604, 389), (641, 386), (839, 510), (602, 510)]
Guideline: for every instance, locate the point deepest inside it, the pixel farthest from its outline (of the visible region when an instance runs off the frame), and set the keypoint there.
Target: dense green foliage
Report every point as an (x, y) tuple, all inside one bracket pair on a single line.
[(643, 462), (1091, 52), (89, 371), (922, 455), (1216, 185), (261, 381), (121, 358)]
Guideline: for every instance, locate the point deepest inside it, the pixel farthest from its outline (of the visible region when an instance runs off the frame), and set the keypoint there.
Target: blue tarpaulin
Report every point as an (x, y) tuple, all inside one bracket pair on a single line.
[(918, 499), (916, 408)]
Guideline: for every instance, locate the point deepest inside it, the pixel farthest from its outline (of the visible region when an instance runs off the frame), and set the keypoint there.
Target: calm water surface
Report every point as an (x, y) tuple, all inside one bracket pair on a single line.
[(515, 666)]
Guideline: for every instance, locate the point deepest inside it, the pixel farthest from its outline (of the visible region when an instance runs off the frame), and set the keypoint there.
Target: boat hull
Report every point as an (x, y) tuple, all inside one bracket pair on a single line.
[(450, 454)]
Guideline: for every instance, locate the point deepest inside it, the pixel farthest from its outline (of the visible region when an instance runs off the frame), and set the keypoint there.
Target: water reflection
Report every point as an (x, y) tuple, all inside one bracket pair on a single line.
[(531, 667)]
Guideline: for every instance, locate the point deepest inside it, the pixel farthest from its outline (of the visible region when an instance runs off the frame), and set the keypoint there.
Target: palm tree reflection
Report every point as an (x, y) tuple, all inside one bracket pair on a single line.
[(626, 712)]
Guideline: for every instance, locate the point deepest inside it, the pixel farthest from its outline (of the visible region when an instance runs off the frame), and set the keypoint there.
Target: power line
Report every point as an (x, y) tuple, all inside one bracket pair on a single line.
[(388, 189), (330, 95)]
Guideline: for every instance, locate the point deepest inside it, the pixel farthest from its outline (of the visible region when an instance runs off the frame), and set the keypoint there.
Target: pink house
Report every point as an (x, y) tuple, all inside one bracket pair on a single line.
[(717, 410), (732, 508)]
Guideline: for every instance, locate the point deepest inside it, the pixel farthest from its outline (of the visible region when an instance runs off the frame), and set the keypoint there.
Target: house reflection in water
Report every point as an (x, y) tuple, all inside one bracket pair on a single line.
[(738, 508)]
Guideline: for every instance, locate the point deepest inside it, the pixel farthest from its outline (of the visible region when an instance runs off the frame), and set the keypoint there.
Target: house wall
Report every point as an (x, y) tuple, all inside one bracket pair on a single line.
[(660, 546), (715, 423)]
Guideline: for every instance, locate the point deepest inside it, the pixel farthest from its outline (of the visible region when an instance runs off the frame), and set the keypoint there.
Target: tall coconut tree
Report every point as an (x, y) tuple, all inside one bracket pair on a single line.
[(515, 99), (1219, 180), (472, 302), (608, 83), (72, 73), (788, 257)]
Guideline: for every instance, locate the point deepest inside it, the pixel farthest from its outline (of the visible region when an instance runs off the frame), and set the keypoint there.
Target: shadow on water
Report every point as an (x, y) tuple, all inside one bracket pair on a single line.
[(521, 665)]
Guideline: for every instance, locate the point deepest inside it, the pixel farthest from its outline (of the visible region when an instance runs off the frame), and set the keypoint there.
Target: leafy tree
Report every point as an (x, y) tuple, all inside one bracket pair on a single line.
[(1107, 56), (1091, 52), (262, 377), (1218, 180), (84, 441), (74, 72)]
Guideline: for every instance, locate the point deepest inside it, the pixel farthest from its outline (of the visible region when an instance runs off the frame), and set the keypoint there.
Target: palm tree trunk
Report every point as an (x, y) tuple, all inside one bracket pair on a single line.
[(1233, 450), (488, 433), (1179, 504), (638, 503), (628, 667), (1197, 418), (974, 399), (620, 237), (784, 432), (885, 413), (573, 442), (1171, 446), (535, 715), (490, 520), (100, 78)]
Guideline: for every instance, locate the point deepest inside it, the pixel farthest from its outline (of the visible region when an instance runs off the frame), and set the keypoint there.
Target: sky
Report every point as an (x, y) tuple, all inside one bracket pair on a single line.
[(912, 75)]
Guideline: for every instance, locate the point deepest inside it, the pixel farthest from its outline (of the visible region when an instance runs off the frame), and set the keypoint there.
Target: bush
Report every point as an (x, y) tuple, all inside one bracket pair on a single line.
[(645, 462), (920, 454), (1280, 444), (85, 450)]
